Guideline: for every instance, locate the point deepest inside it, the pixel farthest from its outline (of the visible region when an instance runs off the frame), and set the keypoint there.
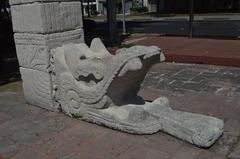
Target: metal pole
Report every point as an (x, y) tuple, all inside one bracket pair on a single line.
[(191, 18), (124, 17), (88, 4), (112, 22)]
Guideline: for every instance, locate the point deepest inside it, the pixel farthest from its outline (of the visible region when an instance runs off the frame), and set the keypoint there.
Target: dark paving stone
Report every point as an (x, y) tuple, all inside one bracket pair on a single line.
[(211, 89), (4, 117), (28, 154), (235, 81), (225, 144), (9, 148), (142, 152), (79, 138), (175, 85), (211, 74), (161, 142), (238, 89), (232, 71), (8, 127), (186, 152), (55, 123), (19, 109), (149, 83), (163, 84), (115, 144), (23, 133), (191, 86), (235, 154), (162, 67), (232, 127), (186, 74), (210, 155), (172, 85), (198, 78)]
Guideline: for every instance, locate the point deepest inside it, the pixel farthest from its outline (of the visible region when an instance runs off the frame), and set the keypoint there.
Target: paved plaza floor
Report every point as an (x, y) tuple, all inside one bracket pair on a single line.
[(28, 132), (195, 50)]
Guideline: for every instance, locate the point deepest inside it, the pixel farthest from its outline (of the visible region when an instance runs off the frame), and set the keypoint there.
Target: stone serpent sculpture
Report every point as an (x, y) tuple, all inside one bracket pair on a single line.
[(92, 84)]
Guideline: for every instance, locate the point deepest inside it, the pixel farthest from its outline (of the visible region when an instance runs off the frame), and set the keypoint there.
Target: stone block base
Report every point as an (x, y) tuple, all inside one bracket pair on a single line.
[(46, 17), (37, 88)]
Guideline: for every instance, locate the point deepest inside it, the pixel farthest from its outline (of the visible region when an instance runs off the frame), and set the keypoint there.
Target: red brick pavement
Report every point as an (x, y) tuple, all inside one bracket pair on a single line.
[(1, 157), (196, 50)]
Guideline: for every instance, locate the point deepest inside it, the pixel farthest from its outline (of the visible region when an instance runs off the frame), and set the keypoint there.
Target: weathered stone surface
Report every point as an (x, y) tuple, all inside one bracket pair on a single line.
[(15, 2), (39, 26), (46, 17), (33, 57), (197, 129), (33, 50), (85, 86), (84, 78), (37, 88)]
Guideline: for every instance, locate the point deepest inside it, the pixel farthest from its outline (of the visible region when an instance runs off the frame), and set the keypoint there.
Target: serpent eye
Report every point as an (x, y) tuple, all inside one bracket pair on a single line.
[(82, 57)]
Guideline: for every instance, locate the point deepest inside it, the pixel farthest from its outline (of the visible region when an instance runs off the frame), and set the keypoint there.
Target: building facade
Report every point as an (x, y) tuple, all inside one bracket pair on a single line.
[(165, 6), (100, 6), (92, 4), (200, 6)]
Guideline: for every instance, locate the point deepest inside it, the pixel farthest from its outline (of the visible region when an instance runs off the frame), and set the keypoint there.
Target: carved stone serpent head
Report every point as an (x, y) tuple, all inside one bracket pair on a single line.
[(98, 79)]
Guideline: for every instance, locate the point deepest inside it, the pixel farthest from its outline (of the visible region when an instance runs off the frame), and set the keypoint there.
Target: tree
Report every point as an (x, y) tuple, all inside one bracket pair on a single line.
[(158, 6), (236, 5), (3, 3), (3, 9)]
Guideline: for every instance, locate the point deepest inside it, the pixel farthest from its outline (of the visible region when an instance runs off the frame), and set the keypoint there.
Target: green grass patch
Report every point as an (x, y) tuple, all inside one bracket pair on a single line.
[(12, 87), (125, 46)]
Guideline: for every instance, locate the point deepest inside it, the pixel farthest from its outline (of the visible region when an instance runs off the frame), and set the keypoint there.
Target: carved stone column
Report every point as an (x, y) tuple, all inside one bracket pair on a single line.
[(41, 25)]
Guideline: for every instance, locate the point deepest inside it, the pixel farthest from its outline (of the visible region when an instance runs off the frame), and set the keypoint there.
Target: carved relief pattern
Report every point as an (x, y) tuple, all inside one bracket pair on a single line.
[(33, 57), (37, 88)]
